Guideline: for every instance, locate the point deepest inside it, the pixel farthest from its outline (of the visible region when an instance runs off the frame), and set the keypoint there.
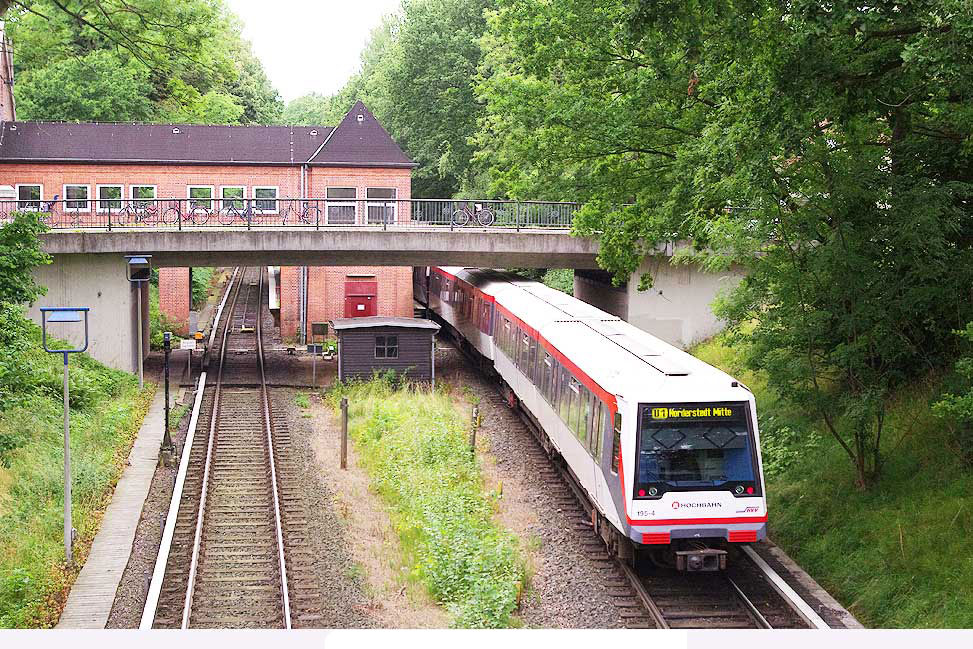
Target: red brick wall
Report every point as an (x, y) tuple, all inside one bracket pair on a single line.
[(174, 297), (326, 284)]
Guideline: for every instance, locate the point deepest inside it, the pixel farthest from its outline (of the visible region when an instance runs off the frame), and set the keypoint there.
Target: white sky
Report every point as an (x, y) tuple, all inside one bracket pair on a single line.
[(309, 45)]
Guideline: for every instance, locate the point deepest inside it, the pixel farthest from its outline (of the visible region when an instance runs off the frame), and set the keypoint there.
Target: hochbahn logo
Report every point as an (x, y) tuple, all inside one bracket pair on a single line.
[(677, 505), (676, 413)]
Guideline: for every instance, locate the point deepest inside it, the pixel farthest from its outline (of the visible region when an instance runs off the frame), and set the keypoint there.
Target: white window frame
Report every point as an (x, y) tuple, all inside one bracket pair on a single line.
[(40, 200), (189, 199), (131, 194), (98, 200), (384, 203), (87, 200), (340, 202), (276, 199), (223, 200)]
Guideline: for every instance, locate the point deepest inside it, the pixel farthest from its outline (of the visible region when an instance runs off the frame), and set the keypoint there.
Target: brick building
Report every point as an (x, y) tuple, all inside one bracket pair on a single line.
[(355, 171)]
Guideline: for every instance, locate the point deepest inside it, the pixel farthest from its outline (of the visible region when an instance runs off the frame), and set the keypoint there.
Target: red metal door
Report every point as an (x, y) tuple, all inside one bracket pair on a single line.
[(361, 299), (360, 306)]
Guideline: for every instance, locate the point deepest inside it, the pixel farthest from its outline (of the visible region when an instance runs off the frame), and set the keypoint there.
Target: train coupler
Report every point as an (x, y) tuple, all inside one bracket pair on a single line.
[(706, 560)]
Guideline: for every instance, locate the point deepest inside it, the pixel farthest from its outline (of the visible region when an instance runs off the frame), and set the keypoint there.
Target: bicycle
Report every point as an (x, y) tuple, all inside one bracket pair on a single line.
[(309, 214), (482, 215), (143, 213)]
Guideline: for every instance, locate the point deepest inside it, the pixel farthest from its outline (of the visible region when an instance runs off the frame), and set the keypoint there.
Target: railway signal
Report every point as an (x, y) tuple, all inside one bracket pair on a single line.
[(66, 315)]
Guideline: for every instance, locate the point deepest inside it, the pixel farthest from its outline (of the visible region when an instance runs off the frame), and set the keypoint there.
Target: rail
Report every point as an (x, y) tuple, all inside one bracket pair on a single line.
[(308, 213)]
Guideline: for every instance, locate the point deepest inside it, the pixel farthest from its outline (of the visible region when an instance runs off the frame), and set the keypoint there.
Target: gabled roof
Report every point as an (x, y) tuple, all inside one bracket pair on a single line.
[(160, 143), (361, 141), (340, 324), (355, 143)]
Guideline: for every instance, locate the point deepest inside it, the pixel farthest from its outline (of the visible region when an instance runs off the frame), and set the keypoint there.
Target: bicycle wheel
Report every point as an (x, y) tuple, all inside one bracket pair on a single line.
[(486, 217), (170, 216), (311, 215), (461, 217), (229, 215)]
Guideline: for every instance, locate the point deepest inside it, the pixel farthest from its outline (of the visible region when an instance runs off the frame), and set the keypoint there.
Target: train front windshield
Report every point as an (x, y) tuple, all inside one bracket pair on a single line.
[(693, 446)]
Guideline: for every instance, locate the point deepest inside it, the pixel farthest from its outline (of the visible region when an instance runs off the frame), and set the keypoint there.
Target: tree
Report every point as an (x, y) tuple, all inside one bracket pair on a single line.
[(95, 87), (824, 147), (312, 110), (20, 253), (155, 47)]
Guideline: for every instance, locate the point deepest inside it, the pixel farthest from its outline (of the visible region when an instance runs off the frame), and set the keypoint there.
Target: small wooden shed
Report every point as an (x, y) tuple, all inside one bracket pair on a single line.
[(381, 343)]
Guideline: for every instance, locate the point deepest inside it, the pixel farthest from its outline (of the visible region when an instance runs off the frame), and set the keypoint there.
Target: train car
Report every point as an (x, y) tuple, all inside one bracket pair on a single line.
[(665, 446)]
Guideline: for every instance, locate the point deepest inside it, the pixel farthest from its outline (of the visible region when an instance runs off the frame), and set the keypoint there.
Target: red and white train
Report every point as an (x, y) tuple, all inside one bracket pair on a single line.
[(665, 445)]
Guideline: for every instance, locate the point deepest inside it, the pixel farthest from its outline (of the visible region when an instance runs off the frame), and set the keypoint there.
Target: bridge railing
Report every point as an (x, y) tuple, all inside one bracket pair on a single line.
[(275, 213)]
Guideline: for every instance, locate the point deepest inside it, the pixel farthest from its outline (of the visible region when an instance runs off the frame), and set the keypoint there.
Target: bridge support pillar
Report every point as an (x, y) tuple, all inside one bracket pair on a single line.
[(175, 295), (98, 281), (678, 307)]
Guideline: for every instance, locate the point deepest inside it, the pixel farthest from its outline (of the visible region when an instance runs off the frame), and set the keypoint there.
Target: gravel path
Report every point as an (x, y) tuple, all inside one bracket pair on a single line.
[(567, 589)]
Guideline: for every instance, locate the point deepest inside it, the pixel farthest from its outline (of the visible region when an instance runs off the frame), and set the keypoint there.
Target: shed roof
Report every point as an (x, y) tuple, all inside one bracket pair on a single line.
[(339, 324)]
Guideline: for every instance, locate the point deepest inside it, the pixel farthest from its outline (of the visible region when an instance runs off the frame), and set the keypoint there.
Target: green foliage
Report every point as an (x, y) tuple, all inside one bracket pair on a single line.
[(956, 410), (826, 151), (896, 554), (147, 60), (159, 323), (417, 77), (106, 409), (20, 253), (96, 87), (302, 401), (413, 442), (313, 110), (202, 279)]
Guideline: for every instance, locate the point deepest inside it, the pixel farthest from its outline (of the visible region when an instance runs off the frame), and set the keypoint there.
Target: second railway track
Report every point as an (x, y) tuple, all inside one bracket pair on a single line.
[(236, 557)]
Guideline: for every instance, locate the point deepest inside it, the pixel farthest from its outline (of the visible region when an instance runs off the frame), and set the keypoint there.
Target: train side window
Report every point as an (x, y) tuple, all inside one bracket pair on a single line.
[(546, 382), (616, 442), (597, 424)]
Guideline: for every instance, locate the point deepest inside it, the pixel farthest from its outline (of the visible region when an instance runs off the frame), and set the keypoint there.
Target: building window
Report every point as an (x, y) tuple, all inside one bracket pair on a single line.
[(76, 198), (29, 197), (109, 198), (200, 196), (142, 194), (340, 207), (265, 199), (380, 205), (232, 196), (386, 346)]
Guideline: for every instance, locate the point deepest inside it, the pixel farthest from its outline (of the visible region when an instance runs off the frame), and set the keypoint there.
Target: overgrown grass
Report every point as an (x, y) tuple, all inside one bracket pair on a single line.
[(106, 411), (897, 555), (414, 444)]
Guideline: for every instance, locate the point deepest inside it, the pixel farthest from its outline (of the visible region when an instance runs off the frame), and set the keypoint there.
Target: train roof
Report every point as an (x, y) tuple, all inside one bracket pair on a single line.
[(618, 352)]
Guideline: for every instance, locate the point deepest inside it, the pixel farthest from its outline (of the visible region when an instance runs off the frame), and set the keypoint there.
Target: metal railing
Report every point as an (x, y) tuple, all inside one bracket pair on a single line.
[(275, 213)]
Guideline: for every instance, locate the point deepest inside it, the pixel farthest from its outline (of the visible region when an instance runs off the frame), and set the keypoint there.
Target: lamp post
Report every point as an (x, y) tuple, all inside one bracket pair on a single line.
[(66, 315), (139, 269)]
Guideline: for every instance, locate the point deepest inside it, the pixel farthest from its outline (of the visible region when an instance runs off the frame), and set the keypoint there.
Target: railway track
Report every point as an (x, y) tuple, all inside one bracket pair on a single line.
[(746, 596), (234, 555)]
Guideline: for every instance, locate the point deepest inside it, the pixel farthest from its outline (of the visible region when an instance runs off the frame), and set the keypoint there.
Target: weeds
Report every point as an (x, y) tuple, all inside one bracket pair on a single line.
[(413, 443)]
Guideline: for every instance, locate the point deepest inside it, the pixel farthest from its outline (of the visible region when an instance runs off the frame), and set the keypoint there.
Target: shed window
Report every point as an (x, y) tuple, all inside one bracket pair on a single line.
[(386, 346)]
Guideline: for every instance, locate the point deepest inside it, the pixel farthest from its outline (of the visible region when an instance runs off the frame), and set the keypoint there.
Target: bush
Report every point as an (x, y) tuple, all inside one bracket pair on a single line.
[(956, 410), (413, 442)]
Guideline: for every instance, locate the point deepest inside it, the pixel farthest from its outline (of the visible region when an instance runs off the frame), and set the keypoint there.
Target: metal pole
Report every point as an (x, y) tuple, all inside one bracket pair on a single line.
[(475, 424), (68, 530), (344, 432), (166, 439), (138, 286), (314, 363)]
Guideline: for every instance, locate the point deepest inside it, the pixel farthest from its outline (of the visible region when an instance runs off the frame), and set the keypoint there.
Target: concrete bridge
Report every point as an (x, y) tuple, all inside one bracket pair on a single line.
[(411, 245)]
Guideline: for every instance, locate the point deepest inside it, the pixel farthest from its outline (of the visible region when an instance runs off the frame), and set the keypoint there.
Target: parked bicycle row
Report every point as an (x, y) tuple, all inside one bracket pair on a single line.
[(301, 212)]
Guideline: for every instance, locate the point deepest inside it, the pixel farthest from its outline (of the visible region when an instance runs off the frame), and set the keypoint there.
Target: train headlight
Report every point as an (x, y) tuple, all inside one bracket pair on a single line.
[(653, 491), (738, 489)]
